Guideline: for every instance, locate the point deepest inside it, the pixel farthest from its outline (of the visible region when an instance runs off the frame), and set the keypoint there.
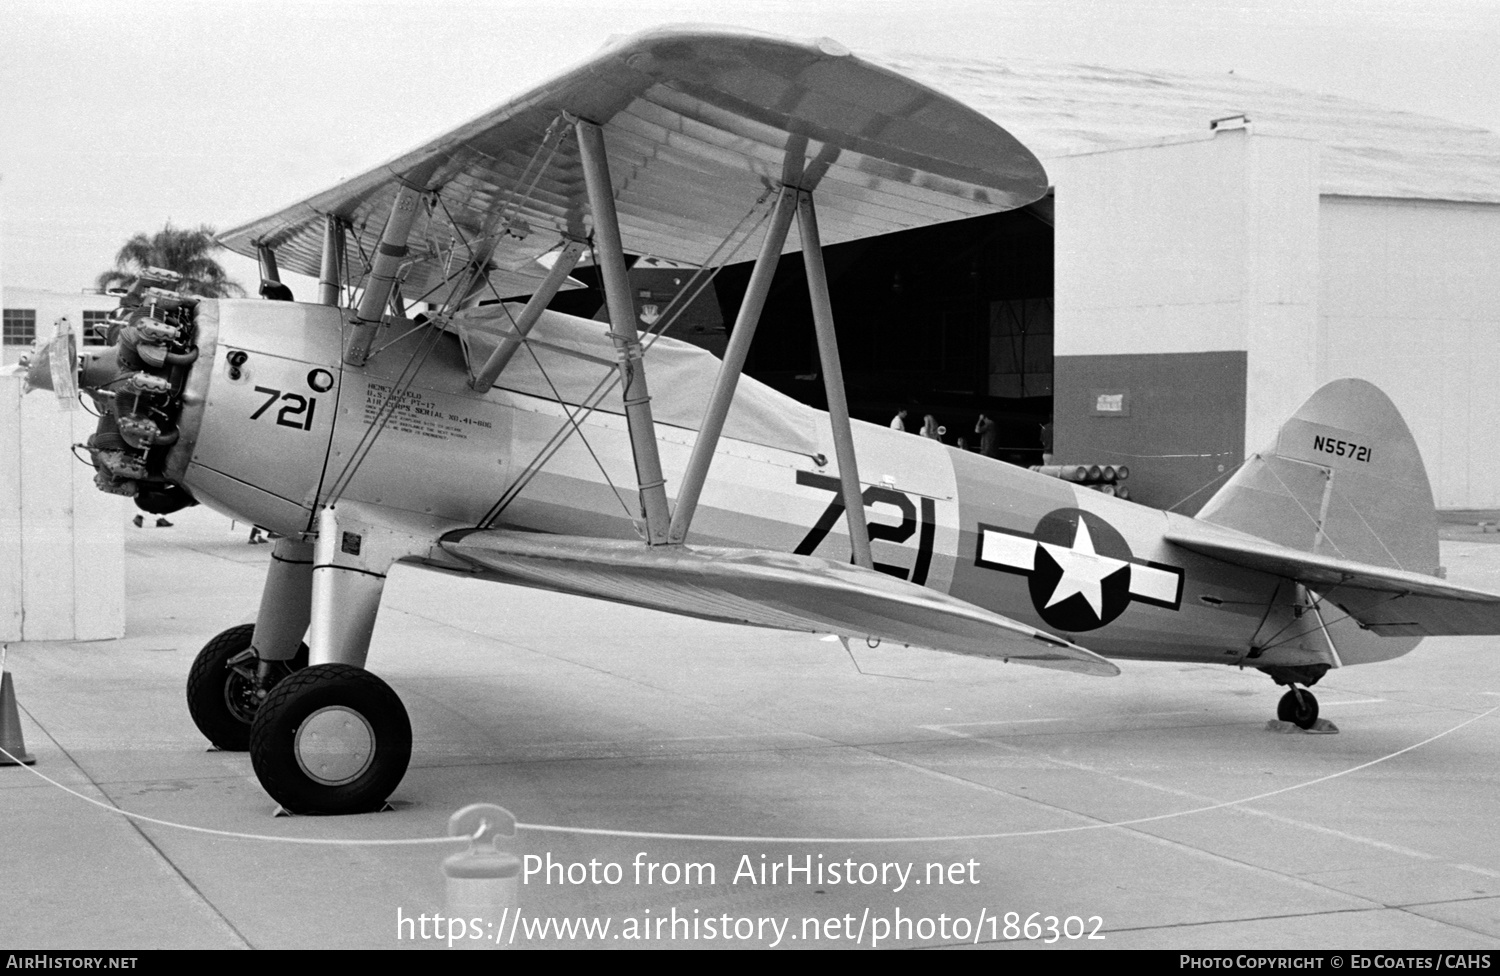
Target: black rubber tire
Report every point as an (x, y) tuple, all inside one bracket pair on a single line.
[(1299, 707), (273, 739), (219, 698)]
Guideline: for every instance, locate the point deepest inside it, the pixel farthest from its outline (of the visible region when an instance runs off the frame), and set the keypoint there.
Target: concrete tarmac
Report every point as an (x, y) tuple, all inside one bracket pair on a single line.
[(1153, 810)]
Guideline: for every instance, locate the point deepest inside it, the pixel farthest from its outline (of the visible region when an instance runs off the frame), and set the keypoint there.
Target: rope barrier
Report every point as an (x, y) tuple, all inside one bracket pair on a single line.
[(757, 838)]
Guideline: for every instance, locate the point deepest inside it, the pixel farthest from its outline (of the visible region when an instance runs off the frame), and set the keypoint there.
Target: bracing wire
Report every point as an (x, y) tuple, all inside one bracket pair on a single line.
[(1207, 485), (383, 414)]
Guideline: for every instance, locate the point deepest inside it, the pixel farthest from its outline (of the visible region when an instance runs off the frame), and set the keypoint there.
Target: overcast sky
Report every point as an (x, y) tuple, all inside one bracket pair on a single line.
[(118, 116)]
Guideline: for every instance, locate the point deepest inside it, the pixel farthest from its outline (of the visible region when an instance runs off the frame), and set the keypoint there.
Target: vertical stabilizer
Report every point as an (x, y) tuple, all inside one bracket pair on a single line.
[(1343, 479)]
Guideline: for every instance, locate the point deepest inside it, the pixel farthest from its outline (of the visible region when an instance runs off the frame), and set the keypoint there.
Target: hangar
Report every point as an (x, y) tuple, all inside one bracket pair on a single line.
[(1214, 249)]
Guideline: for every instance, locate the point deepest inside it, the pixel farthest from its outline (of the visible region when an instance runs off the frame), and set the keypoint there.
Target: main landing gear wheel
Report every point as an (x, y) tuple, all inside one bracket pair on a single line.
[(1299, 707), (223, 691), (331, 739)]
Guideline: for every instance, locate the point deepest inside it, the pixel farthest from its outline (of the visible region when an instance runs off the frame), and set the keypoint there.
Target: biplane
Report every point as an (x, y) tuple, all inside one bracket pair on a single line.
[(489, 435)]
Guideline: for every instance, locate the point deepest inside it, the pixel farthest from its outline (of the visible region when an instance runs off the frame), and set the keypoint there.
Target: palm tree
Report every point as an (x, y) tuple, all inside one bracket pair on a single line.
[(183, 251)]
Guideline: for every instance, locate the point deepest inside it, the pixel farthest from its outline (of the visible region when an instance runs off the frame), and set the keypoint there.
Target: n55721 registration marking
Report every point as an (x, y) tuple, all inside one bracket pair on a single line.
[(1342, 448)]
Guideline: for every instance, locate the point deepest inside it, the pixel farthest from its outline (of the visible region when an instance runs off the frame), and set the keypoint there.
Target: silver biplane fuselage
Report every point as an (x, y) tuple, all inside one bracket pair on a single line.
[(274, 417)]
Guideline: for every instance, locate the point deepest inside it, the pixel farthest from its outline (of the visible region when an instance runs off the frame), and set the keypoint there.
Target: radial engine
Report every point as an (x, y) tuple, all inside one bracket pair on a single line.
[(137, 384)]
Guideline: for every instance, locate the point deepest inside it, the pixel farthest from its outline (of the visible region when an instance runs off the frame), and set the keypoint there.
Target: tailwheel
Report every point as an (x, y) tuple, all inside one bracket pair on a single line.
[(227, 684), (331, 739), (1299, 707)]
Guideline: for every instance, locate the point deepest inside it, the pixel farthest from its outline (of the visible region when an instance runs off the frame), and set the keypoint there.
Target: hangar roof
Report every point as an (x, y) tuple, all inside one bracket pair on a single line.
[(1063, 109)]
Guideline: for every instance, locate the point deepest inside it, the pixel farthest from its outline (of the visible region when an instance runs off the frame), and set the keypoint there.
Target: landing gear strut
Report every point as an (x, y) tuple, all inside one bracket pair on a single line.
[(334, 738)]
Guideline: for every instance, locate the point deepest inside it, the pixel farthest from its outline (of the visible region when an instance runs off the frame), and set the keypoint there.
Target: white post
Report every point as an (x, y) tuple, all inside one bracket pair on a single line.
[(484, 882)]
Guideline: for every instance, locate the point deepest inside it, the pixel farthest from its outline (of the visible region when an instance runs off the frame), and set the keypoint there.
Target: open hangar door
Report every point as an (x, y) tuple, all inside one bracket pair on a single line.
[(950, 320)]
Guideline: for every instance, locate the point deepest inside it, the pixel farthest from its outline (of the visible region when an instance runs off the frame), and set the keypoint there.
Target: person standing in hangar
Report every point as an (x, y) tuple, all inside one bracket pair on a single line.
[(985, 428)]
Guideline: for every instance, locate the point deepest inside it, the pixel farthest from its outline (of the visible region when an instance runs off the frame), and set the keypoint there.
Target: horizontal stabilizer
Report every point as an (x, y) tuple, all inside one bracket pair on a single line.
[(1392, 602), (767, 589)]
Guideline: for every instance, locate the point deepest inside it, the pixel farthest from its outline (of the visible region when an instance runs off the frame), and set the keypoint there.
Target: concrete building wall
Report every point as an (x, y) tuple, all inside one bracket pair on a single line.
[(62, 545), (1186, 298), (1410, 300)]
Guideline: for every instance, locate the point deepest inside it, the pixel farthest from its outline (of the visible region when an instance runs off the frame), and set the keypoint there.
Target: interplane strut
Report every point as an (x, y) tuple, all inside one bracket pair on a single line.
[(734, 363), (624, 333), (799, 201)]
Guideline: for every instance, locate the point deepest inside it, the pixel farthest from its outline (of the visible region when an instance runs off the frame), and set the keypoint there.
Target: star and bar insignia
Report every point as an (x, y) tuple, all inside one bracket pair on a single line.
[(1080, 570)]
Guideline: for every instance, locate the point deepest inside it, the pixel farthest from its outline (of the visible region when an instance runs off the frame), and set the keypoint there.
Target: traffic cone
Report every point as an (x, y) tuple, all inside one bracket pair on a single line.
[(10, 726)]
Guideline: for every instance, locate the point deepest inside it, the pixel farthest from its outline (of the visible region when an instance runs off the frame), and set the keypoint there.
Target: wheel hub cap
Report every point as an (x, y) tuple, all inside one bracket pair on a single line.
[(241, 697), (335, 745)]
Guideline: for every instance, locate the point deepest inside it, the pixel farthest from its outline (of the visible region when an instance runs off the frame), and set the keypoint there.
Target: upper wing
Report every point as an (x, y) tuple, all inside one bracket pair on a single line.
[(698, 123), (1388, 601), (769, 589)]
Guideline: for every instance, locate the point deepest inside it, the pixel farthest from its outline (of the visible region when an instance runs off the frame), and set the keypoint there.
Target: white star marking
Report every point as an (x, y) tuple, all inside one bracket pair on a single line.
[(1083, 570)]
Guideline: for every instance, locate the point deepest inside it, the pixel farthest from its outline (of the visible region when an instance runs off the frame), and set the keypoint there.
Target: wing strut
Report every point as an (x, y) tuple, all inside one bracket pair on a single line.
[(382, 277), (734, 363), (833, 379), (331, 274), (1316, 604), (501, 357), (622, 330)]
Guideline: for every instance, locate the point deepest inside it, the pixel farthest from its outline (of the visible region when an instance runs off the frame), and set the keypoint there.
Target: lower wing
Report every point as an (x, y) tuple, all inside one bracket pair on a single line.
[(767, 589)]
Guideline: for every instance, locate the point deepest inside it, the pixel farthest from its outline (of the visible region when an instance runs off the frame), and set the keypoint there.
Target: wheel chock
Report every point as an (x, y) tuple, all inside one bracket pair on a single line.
[(1320, 727), (484, 882), (281, 811), (11, 741)]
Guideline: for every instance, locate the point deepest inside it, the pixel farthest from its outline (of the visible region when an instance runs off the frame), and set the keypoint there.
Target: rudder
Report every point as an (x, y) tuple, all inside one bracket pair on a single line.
[(1343, 479)]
